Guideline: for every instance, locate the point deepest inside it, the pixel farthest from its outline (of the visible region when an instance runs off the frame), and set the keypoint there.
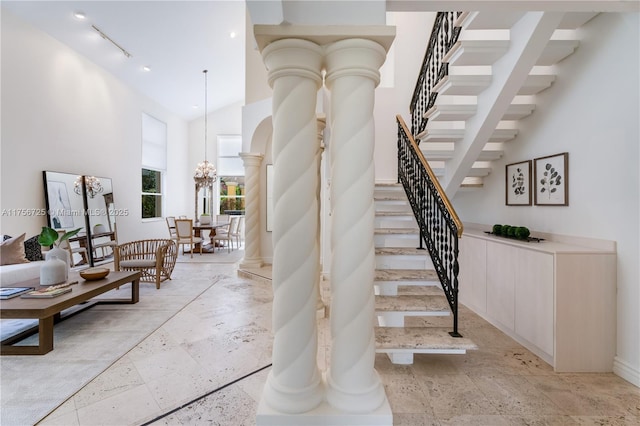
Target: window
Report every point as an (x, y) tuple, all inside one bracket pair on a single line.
[(154, 165), (151, 193), (230, 175)]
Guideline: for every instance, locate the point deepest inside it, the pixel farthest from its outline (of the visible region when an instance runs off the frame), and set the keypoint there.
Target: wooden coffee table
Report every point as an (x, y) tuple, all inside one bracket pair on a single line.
[(47, 311)]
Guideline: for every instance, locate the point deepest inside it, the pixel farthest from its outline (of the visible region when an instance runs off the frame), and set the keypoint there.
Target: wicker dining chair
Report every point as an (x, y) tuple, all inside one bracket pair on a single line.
[(155, 259)]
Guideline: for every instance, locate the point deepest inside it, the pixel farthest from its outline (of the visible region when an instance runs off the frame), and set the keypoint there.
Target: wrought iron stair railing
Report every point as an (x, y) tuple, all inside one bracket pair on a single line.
[(443, 36), (439, 224)]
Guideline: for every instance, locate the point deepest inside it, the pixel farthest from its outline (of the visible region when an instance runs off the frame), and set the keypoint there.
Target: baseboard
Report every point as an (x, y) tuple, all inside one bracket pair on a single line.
[(626, 371)]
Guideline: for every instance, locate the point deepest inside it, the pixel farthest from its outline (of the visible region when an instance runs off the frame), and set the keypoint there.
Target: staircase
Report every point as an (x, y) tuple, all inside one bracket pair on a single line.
[(407, 286), (487, 82)]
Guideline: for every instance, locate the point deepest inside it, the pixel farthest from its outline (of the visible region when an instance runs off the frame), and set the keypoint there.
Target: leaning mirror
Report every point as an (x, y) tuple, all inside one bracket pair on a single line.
[(65, 212), (101, 217)]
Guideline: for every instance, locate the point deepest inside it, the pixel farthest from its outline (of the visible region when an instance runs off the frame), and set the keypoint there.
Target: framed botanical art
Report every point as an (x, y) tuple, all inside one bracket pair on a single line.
[(552, 180), (518, 184)]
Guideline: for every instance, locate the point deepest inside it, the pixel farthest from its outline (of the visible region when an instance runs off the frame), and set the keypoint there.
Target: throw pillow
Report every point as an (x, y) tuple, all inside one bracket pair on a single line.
[(33, 249), (12, 251)]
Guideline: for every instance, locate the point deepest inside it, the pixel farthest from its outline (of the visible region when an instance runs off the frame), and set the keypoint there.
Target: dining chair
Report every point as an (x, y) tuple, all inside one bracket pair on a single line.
[(112, 242), (237, 234), (184, 235), (234, 229), (82, 251), (171, 224), (223, 233)]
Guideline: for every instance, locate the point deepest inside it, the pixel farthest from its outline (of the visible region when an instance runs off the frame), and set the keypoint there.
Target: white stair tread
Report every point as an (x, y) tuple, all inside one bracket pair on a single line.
[(474, 171), (412, 303), (462, 84), (454, 135), (400, 275), (536, 83), (389, 195), (451, 112), (400, 213), (391, 231), (446, 154), (475, 84), (401, 251), (556, 50), (488, 20), (420, 339), (476, 52), (461, 112)]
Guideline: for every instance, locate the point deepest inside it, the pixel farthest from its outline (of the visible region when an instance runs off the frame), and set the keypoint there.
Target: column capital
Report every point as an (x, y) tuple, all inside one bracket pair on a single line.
[(324, 34), (293, 57), (251, 159), (354, 57)]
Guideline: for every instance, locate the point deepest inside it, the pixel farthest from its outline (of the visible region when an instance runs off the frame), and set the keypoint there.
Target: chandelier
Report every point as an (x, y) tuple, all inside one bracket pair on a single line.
[(92, 184), (205, 174)]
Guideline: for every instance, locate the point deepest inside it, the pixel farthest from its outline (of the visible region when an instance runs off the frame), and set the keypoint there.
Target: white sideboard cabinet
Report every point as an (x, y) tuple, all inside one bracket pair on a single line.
[(558, 299)]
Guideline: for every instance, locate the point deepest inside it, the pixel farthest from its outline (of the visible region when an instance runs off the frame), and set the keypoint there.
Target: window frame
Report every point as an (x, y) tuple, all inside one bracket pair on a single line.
[(153, 158)]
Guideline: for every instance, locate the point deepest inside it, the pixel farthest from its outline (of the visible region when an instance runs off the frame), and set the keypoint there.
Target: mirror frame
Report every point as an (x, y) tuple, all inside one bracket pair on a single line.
[(67, 207)]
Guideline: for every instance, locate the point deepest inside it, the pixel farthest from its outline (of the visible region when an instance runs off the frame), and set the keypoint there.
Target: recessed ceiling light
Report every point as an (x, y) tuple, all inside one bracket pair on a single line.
[(195, 106), (232, 34), (146, 68), (79, 15)]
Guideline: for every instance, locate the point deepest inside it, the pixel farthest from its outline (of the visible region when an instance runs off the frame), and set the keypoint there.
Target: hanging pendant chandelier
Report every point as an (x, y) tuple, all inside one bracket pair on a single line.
[(205, 174), (91, 182)]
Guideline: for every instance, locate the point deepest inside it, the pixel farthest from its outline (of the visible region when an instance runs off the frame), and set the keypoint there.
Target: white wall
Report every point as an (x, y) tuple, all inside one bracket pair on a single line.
[(592, 112), (412, 36), (61, 112)]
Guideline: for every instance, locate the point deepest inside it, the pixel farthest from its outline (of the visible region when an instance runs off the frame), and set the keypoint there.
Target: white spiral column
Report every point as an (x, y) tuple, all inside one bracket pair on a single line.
[(252, 252), (294, 384), (352, 76), (322, 122)]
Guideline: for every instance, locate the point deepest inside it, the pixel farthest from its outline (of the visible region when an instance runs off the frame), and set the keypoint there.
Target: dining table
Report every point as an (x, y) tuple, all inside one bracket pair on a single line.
[(211, 227)]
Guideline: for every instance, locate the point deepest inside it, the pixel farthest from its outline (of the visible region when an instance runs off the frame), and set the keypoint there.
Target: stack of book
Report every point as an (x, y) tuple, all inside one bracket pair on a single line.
[(9, 292), (45, 293)]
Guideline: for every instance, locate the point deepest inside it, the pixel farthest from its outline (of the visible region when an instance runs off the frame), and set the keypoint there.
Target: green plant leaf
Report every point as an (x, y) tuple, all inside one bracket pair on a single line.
[(68, 235), (47, 236)]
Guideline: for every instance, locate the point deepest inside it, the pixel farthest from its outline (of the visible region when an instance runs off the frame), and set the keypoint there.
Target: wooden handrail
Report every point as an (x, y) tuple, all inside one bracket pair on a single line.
[(432, 176)]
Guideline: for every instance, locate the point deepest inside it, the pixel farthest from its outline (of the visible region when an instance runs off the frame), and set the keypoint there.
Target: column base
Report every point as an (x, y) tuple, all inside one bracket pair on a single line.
[(250, 264), (324, 415)]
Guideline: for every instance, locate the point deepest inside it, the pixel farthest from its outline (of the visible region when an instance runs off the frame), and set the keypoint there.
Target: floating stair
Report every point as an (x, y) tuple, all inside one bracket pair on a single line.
[(401, 343), (483, 58), (406, 285)]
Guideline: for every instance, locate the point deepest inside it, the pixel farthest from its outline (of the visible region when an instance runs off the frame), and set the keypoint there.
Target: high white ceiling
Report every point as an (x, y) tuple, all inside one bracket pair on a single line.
[(176, 39)]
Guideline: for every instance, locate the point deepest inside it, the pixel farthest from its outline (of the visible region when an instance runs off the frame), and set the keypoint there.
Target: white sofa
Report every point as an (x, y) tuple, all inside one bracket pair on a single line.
[(12, 274)]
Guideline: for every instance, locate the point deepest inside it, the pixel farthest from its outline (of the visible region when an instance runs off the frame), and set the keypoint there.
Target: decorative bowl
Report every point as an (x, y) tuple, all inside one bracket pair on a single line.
[(94, 273)]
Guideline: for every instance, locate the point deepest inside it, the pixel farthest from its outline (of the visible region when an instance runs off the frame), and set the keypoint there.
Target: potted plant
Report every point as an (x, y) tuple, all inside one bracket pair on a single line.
[(205, 219), (55, 269)]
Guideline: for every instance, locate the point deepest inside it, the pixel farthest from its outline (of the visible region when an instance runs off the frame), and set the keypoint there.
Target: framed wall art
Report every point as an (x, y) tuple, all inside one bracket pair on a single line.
[(518, 184), (552, 180)]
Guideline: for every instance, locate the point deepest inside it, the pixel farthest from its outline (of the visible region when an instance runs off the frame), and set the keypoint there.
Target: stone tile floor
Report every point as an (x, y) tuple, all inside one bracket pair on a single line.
[(207, 365)]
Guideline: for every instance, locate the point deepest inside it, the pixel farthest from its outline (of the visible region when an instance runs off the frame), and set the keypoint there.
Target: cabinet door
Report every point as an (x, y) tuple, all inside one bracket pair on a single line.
[(534, 299), (501, 267), (473, 273)]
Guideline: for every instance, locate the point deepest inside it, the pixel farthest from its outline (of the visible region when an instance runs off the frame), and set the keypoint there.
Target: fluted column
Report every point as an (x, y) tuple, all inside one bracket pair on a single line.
[(252, 252), (294, 384), (352, 75)]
